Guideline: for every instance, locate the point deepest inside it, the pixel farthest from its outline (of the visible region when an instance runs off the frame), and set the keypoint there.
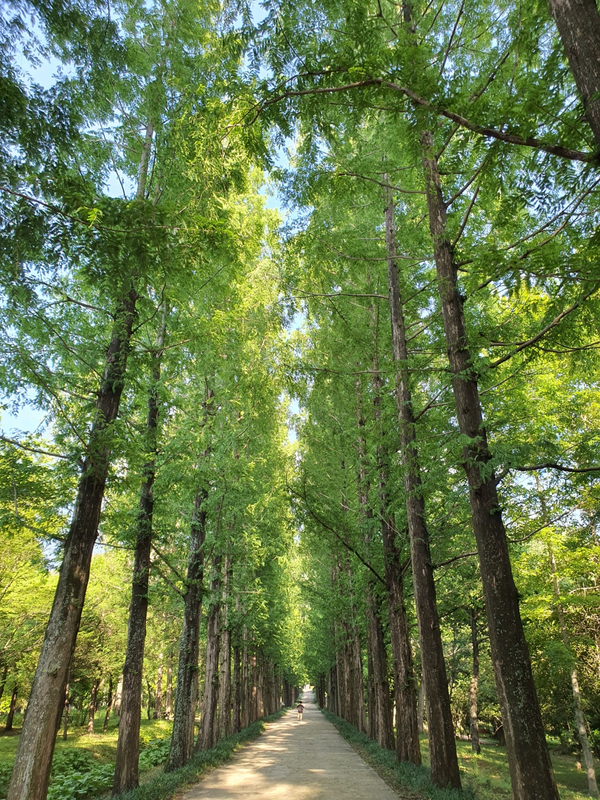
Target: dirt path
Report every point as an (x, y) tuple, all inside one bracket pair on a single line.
[(294, 760)]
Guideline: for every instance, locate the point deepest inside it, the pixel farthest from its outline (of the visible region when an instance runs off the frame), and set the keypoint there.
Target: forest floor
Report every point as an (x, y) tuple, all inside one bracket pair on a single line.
[(291, 753)]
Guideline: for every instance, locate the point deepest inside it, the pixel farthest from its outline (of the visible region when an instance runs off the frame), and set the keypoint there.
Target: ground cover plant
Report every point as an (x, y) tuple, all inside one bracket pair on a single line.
[(83, 766), (485, 775)]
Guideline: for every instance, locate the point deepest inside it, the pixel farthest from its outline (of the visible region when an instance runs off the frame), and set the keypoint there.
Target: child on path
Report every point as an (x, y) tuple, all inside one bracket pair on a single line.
[(300, 710)]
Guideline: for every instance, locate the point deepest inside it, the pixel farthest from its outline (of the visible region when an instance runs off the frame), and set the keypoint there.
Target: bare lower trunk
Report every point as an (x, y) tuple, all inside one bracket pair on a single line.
[(407, 732), (578, 23), (237, 690), (473, 720), (182, 739), (109, 703), (225, 656), (529, 761), (92, 705), (65, 720), (421, 708), (207, 736), (158, 697), (3, 679), (128, 744), (260, 687), (169, 689), (442, 746), (245, 678), (381, 709), (31, 772), (11, 709)]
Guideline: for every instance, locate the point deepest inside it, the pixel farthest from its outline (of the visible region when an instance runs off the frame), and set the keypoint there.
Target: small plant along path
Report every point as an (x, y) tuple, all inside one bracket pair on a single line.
[(295, 760)]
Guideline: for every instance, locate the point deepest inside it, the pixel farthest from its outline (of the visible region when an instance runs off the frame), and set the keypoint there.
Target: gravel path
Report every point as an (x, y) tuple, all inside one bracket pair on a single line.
[(294, 760)]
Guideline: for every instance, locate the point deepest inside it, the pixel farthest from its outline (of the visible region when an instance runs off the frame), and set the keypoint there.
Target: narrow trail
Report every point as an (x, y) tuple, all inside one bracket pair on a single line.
[(294, 760)]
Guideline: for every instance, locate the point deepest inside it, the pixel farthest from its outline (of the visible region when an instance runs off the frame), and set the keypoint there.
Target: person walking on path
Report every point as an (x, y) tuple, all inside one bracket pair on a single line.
[(300, 710)]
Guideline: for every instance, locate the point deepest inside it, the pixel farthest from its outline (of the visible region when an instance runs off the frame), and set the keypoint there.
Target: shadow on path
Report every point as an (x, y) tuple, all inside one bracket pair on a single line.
[(295, 760)]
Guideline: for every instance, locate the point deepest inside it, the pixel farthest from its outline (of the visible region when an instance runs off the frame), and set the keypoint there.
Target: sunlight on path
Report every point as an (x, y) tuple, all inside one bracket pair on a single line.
[(294, 760)]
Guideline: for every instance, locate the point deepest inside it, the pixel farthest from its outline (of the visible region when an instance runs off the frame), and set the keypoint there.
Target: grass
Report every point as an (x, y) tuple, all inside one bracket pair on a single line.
[(483, 776), (155, 784), (101, 746)]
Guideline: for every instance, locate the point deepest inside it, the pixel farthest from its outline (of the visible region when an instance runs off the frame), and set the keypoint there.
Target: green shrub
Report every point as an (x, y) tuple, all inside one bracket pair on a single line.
[(5, 773)]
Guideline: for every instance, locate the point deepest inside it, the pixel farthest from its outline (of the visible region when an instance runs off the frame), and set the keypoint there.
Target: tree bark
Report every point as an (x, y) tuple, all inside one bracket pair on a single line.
[(31, 772), (225, 655), (3, 679), (169, 689), (578, 23), (380, 711), (158, 697), (407, 732), (66, 707), (421, 707), (245, 710), (109, 703), (11, 710), (182, 739), (92, 705), (128, 744), (529, 761), (442, 746), (207, 736), (237, 690), (473, 720)]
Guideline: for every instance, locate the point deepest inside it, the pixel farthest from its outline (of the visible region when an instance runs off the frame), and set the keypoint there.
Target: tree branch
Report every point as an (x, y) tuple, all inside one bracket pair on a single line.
[(37, 450)]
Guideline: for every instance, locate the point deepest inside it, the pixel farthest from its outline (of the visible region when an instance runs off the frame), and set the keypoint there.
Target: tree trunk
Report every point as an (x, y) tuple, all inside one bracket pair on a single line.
[(253, 681), (109, 703), (118, 694), (11, 710), (66, 707), (407, 732), (92, 705), (421, 708), (380, 711), (245, 681), (260, 687), (128, 744), (383, 729), (3, 679), (31, 772), (225, 655), (237, 690), (207, 736), (182, 739), (158, 697), (473, 720), (169, 690), (150, 699), (529, 761), (442, 746), (578, 23)]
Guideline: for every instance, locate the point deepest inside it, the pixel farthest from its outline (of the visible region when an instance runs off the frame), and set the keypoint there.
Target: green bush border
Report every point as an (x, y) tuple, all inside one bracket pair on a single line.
[(400, 775), (164, 785)]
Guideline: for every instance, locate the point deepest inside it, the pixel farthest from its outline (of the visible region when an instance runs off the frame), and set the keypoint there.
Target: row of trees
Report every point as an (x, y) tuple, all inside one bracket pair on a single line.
[(446, 165), (442, 253), (142, 315)]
